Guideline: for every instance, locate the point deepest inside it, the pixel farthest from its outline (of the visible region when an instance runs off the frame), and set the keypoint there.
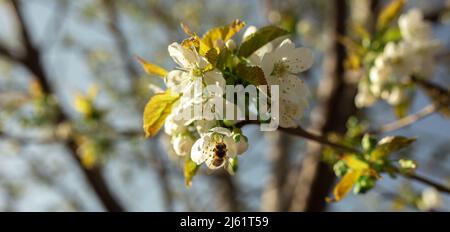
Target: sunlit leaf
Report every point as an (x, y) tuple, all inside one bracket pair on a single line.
[(345, 185), (190, 169), (260, 38), (152, 68), (354, 163), (157, 110), (359, 30), (353, 61), (351, 45), (225, 33), (253, 74), (389, 145), (389, 13)]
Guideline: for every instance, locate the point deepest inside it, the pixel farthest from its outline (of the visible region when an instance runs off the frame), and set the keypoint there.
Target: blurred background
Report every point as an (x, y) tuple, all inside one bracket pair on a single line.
[(72, 97)]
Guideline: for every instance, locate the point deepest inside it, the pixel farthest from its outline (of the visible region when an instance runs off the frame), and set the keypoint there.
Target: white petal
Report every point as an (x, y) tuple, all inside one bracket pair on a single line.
[(231, 147), (214, 78), (248, 32), (176, 80), (293, 89), (182, 56), (267, 64), (197, 153), (221, 130), (284, 48), (299, 60)]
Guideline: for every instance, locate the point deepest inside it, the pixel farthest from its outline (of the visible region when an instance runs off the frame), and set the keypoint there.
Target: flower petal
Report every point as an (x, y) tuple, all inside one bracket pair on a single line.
[(182, 56), (197, 154), (221, 130), (299, 60)]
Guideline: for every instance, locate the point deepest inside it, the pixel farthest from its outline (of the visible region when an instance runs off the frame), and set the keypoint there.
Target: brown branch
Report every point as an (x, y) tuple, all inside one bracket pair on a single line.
[(408, 120), (133, 74), (32, 60), (429, 182)]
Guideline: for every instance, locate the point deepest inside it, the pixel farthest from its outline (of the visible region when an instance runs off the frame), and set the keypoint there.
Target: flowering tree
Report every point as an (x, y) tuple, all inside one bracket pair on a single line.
[(234, 79)]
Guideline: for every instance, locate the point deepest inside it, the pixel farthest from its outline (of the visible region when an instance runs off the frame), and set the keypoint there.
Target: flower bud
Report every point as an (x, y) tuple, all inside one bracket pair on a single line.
[(220, 44), (182, 144), (230, 44), (241, 142)]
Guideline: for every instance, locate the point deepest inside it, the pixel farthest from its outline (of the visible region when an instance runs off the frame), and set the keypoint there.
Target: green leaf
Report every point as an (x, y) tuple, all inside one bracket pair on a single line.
[(368, 142), (157, 110), (392, 35), (232, 166), (355, 163), (389, 145), (190, 169), (389, 13), (253, 74), (152, 68), (260, 38)]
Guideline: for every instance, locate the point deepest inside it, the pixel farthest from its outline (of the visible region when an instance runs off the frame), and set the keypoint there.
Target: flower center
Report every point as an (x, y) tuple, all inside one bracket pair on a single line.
[(280, 69), (197, 72)]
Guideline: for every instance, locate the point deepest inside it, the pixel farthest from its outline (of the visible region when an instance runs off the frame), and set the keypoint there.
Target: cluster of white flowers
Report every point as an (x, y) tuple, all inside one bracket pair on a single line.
[(215, 142), (412, 55)]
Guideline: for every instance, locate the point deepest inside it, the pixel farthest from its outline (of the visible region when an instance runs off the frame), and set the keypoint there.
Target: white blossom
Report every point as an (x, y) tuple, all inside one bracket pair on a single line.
[(280, 68), (431, 199), (192, 66), (182, 144), (214, 148)]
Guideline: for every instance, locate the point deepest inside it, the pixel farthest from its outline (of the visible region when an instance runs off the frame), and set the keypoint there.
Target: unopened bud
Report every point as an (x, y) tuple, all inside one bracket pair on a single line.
[(230, 44)]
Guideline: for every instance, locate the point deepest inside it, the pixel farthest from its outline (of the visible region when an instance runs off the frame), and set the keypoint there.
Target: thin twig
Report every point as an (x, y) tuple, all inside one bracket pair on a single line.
[(409, 120), (429, 182), (325, 141)]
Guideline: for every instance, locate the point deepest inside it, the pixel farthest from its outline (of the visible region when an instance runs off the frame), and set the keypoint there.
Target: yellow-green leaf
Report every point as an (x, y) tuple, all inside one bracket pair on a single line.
[(389, 13), (359, 30), (389, 145), (152, 68), (157, 110), (345, 185), (190, 169), (225, 33), (354, 163), (253, 74), (260, 38)]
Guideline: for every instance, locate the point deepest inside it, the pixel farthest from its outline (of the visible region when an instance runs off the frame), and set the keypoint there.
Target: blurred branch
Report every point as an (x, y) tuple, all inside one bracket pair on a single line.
[(226, 193), (32, 60), (315, 178), (132, 72), (119, 37), (408, 120), (273, 196)]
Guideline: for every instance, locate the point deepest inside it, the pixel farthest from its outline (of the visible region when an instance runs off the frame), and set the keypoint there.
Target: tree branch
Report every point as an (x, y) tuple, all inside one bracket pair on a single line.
[(408, 120), (32, 60)]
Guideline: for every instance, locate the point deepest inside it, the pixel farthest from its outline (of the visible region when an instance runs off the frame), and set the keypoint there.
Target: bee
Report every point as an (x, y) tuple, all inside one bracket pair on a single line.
[(219, 152)]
